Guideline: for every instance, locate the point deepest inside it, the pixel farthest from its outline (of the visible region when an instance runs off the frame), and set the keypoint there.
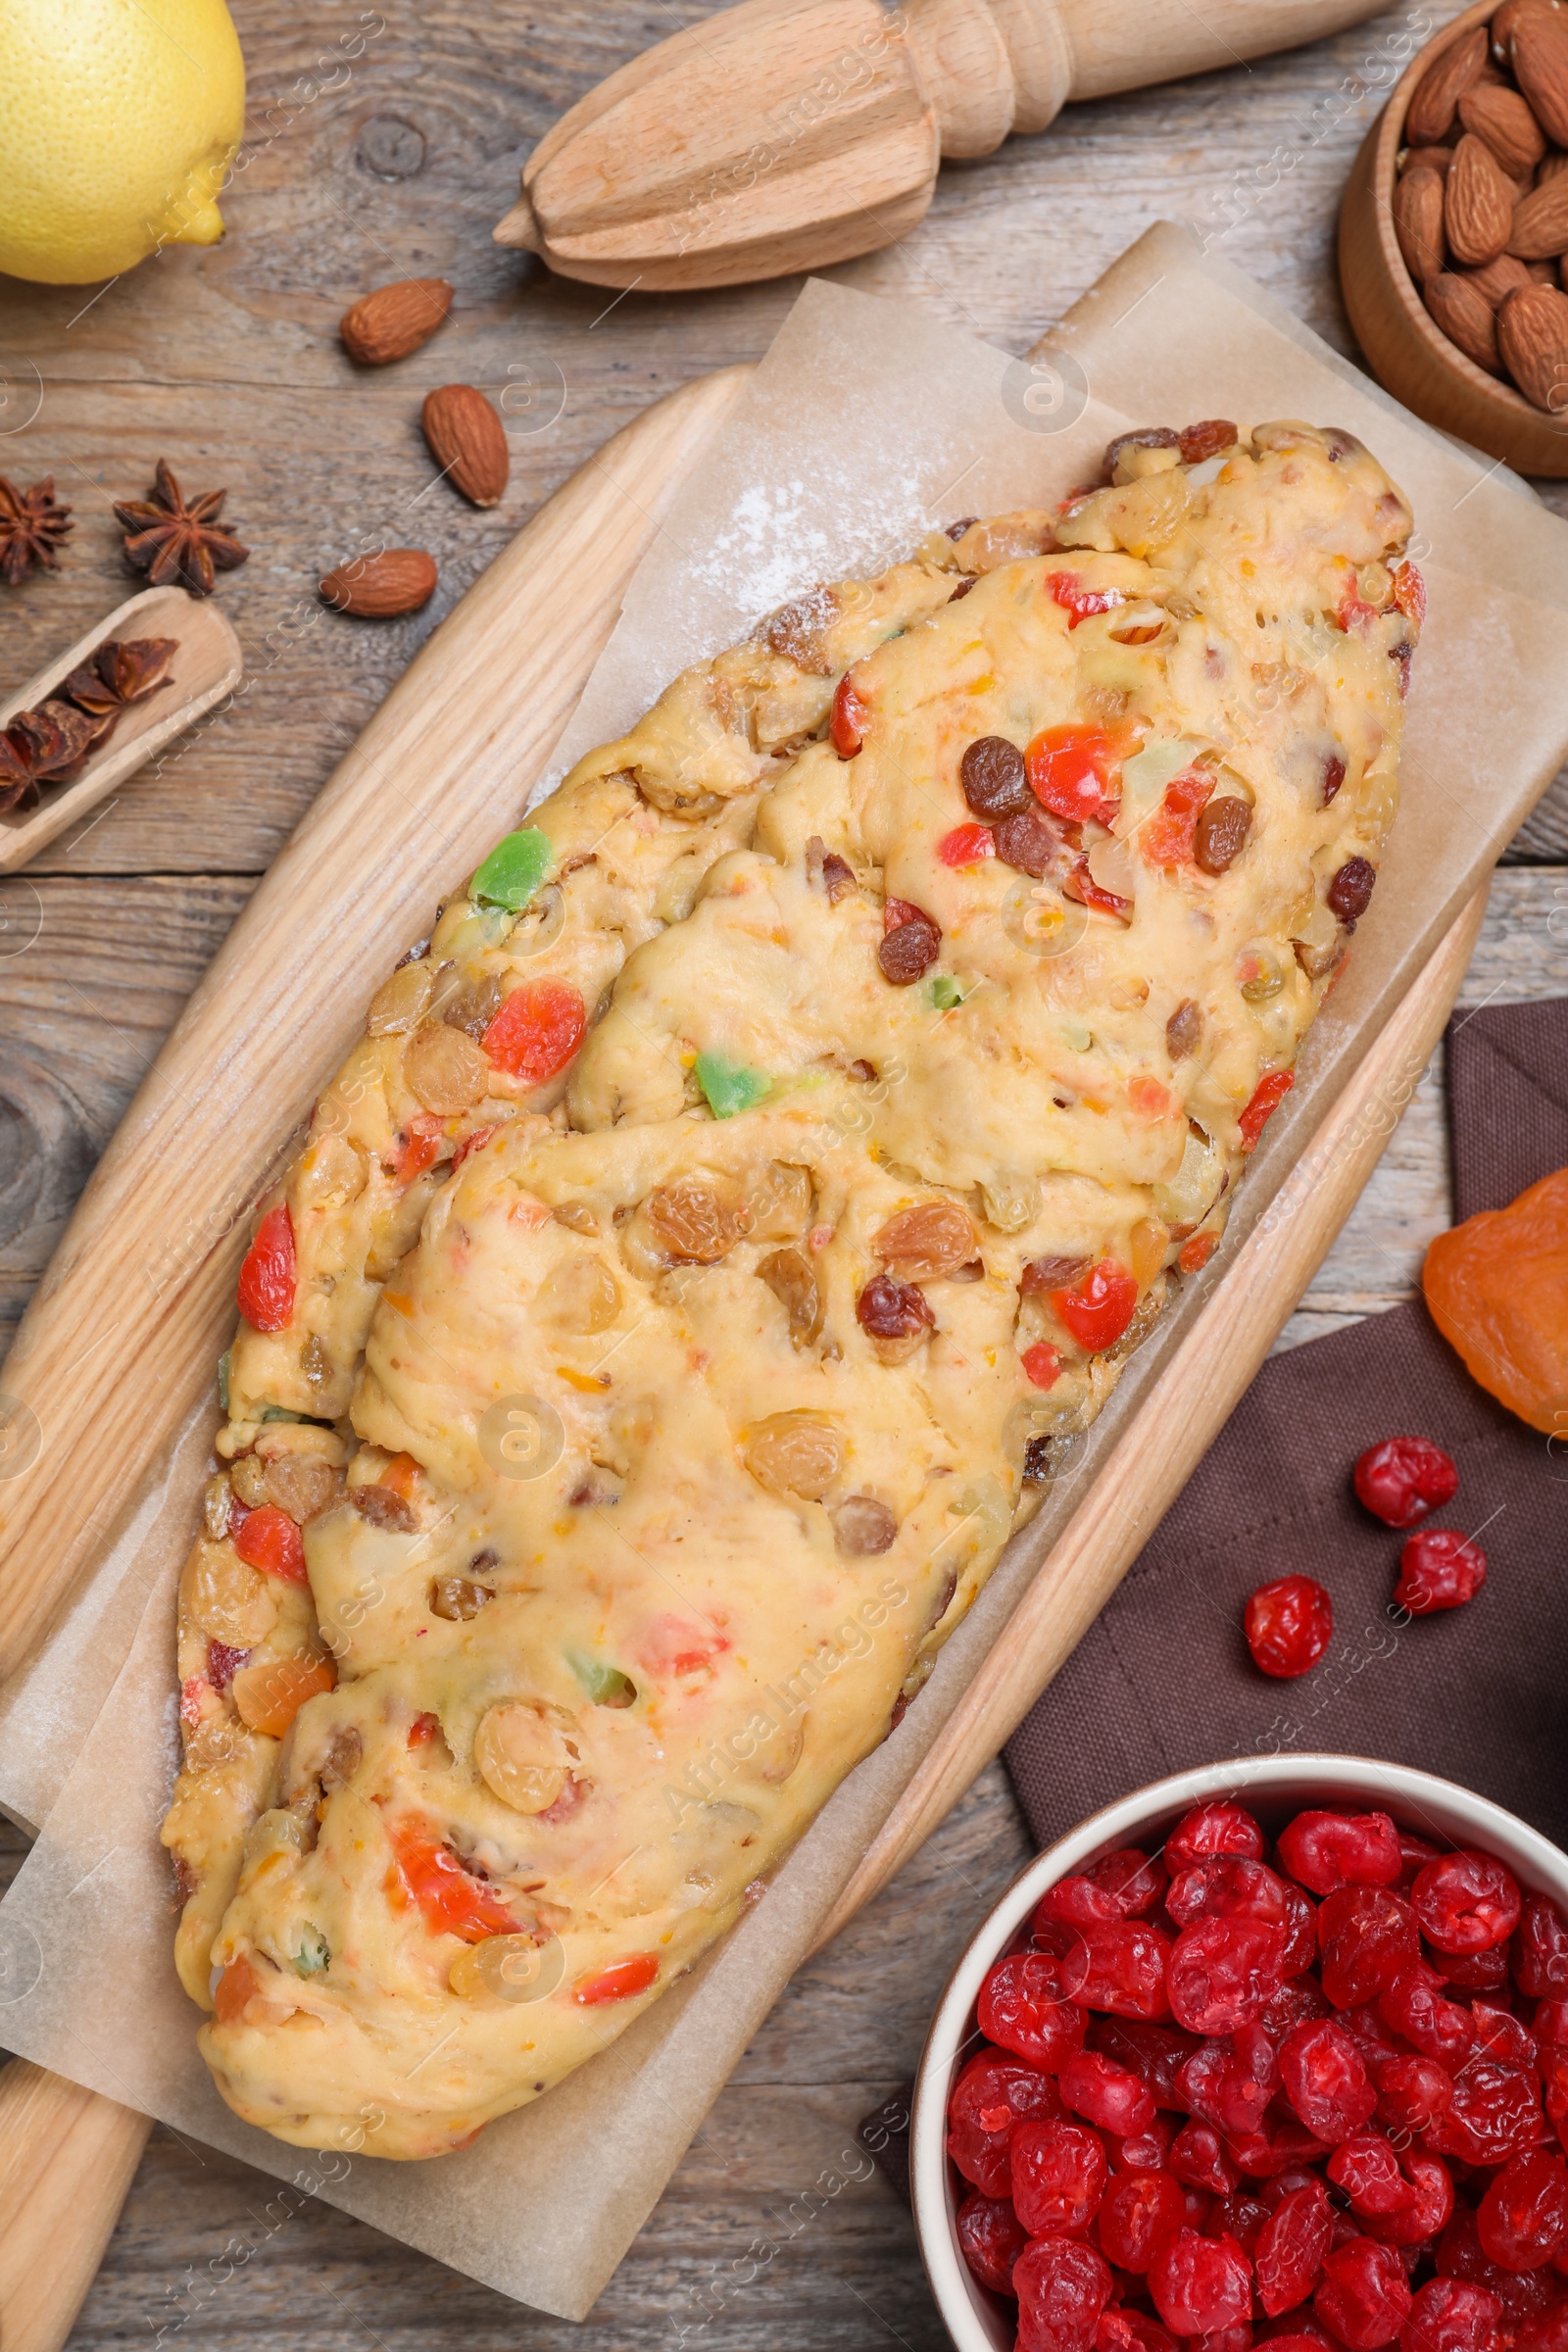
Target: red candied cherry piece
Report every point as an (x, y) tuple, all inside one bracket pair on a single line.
[(1201, 2284), (1549, 2025), (1553, 2065), (994, 2093), (1414, 2006), (1473, 1972), (1134, 1879), (1219, 1826), (1403, 1479), (1288, 1625), (1546, 2331), (1451, 2315), (1367, 1936), (1414, 1853), (1460, 2255), (991, 2238), (1058, 2177), (1501, 2036), (1291, 2247), (1430, 2210), (1363, 2296), (1300, 1928), (1074, 1902), (1118, 1965), (1222, 1972), (1241, 2216), (1326, 2081), (1143, 2151), (1156, 2054), (1021, 2008), (1095, 2087), (1413, 2092), (1541, 1948), (1295, 2003), (1225, 2339), (1523, 2217), (1367, 2168), (1466, 1902), (1063, 2286), (1120, 2331), (1200, 2157), (1323, 1851), (1438, 1569), (1137, 2211), (1495, 2112), (1230, 2084), (1226, 1887)]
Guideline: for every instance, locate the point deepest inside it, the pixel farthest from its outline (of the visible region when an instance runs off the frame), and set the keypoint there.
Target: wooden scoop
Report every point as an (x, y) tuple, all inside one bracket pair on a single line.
[(787, 134)]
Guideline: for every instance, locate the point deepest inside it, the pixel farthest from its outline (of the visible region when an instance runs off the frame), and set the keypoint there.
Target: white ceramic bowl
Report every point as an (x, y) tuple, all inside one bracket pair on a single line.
[(1273, 1788)]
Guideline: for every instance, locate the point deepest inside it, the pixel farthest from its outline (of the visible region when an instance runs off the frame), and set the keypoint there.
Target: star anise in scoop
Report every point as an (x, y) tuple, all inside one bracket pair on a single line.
[(168, 540), (33, 524), (46, 745), (117, 673)]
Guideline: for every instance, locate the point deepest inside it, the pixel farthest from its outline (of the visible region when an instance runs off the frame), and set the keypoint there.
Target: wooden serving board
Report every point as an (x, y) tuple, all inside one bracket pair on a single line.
[(148, 1262)]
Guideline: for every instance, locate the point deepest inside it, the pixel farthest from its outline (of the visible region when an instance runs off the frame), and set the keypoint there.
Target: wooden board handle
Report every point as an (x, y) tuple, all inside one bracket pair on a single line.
[(67, 2158), (811, 129)]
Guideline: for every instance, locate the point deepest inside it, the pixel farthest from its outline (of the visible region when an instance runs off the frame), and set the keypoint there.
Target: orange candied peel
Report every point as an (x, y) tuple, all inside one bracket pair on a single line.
[(1497, 1288)]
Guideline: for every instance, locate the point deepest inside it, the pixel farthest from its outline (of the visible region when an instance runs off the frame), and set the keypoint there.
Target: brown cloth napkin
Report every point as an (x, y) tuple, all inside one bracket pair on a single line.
[(1162, 1680)]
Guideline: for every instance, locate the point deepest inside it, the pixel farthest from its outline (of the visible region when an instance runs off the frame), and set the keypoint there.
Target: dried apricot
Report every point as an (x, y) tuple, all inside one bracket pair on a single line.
[(1497, 1290)]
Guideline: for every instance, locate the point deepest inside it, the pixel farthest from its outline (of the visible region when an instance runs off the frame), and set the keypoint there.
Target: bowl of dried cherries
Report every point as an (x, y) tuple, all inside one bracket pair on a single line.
[(1271, 2049)]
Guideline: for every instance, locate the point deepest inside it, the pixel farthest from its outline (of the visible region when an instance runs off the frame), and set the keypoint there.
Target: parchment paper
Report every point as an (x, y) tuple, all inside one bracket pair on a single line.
[(866, 425)]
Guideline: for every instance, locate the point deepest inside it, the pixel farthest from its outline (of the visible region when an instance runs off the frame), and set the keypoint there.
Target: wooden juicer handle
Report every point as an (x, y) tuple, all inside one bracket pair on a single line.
[(788, 134)]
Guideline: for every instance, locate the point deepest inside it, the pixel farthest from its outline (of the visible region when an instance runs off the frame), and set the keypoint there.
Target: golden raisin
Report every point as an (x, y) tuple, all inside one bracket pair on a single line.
[(1497, 1288), (792, 1279), (690, 1223), (795, 1453), (932, 1240), (444, 1070)]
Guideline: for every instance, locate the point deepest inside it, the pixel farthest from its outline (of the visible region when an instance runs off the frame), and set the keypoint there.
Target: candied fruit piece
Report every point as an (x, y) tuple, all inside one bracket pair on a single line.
[(1523, 2217), (1118, 1965), (1326, 2081), (1367, 2168), (1156, 2054), (1363, 2296), (1402, 1479), (1138, 2210), (1466, 1902), (1323, 1851), (991, 2238), (1291, 2247), (1063, 2286), (1220, 1827), (994, 2093), (1413, 2005), (1493, 2113), (1288, 1625), (1119, 2331), (1451, 2315), (1058, 2177), (1431, 2204), (1200, 2158), (1367, 1936), (1438, 1569), (1497, 1290), (1021, 2009), (1201, 2284), (1102, 2092), (1221, 1972), (1225, 1886), (1541, 1948)]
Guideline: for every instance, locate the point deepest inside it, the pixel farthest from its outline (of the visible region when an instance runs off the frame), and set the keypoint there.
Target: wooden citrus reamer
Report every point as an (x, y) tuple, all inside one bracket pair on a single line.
[(788, 134)]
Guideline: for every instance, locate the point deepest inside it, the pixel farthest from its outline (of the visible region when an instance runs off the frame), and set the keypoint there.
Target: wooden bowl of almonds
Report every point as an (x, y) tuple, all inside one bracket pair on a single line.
[(1453, 234)]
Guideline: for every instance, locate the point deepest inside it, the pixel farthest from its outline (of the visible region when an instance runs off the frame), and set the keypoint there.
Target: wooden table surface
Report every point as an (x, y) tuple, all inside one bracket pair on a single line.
[(384, 143)]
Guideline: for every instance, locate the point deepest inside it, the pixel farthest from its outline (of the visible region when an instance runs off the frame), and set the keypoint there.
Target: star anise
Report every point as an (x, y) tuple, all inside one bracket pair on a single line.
[(33, 524), (117, 673), (46, 745), (170, 540)]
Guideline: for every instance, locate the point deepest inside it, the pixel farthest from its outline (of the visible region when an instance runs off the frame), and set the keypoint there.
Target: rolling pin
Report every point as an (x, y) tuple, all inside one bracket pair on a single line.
[(789, 134)]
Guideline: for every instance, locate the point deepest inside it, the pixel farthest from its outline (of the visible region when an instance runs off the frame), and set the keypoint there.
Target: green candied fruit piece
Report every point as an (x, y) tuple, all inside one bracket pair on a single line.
[(727, 1087), (606, 1686), (513, 869), (223, 1378), (313, 1952), (944, 993)]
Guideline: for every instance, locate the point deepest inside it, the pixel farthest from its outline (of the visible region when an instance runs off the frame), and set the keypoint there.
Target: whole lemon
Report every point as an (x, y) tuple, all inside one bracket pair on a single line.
[(118, 122)]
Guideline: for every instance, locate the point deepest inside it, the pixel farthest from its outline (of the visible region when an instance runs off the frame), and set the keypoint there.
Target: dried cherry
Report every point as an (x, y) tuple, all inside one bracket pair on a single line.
[(1541, 1948), (1063, 2286), (1201, 2284), (1367, 2168), (1118, 1965), (994, 2093), (1493, 2113), (1523, 2217), (1363, 2296), (1138, 2210), (1403, 1479), (1021, 2008), (1414, 2006), (1465, 1902), (1288, 1625), (991, 2238), (1367, 1936), (1438, 1569), (1326, 2081), (1451, 2315), (1220, 1827), (1290, 2249), (1323, 1851), (1221, 1972), (1103, 2093), (1058, 2177)]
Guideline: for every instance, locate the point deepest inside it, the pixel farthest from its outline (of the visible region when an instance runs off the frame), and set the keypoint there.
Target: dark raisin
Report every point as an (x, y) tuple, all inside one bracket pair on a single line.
[(1154, 436), (1184, 1030), (956, 530), (1222, 828), (1207, 440), (964, 587), (1333, 776), (994, 778), (1037, 1462), (907, 953), (1350, 891), (1028, 843), (1403, 655), (795, 630), (415, 955), (838, 877), (890, 1309), (383, 1508)]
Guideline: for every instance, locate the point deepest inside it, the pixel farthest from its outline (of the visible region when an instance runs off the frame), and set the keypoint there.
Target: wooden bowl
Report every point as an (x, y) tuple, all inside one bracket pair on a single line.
[(1406, 349)]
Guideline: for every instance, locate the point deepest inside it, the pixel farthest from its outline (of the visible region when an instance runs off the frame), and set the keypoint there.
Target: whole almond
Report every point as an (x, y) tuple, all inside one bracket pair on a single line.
[(467, 441), (1539, 48), (382, 587), (1553, 165), (1498, 280), (1504, 119), (394, 320), (1533, 338), (1442, 86), (1418, 222), (1466, 317), (1540, 230), (1477, 203), (1505, 21), (1427, 158)]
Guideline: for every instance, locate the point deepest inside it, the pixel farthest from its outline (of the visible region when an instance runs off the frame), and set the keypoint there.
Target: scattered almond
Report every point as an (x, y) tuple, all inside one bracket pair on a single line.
[(1418, 222), (1533, 338), (1505, 20), (1497, 280), (1442, 86), (1478, 203), (1538, 50), (394, 320), (1540, 230), (1466, 317), (1504, 120), (382, 587), (468, 441)]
